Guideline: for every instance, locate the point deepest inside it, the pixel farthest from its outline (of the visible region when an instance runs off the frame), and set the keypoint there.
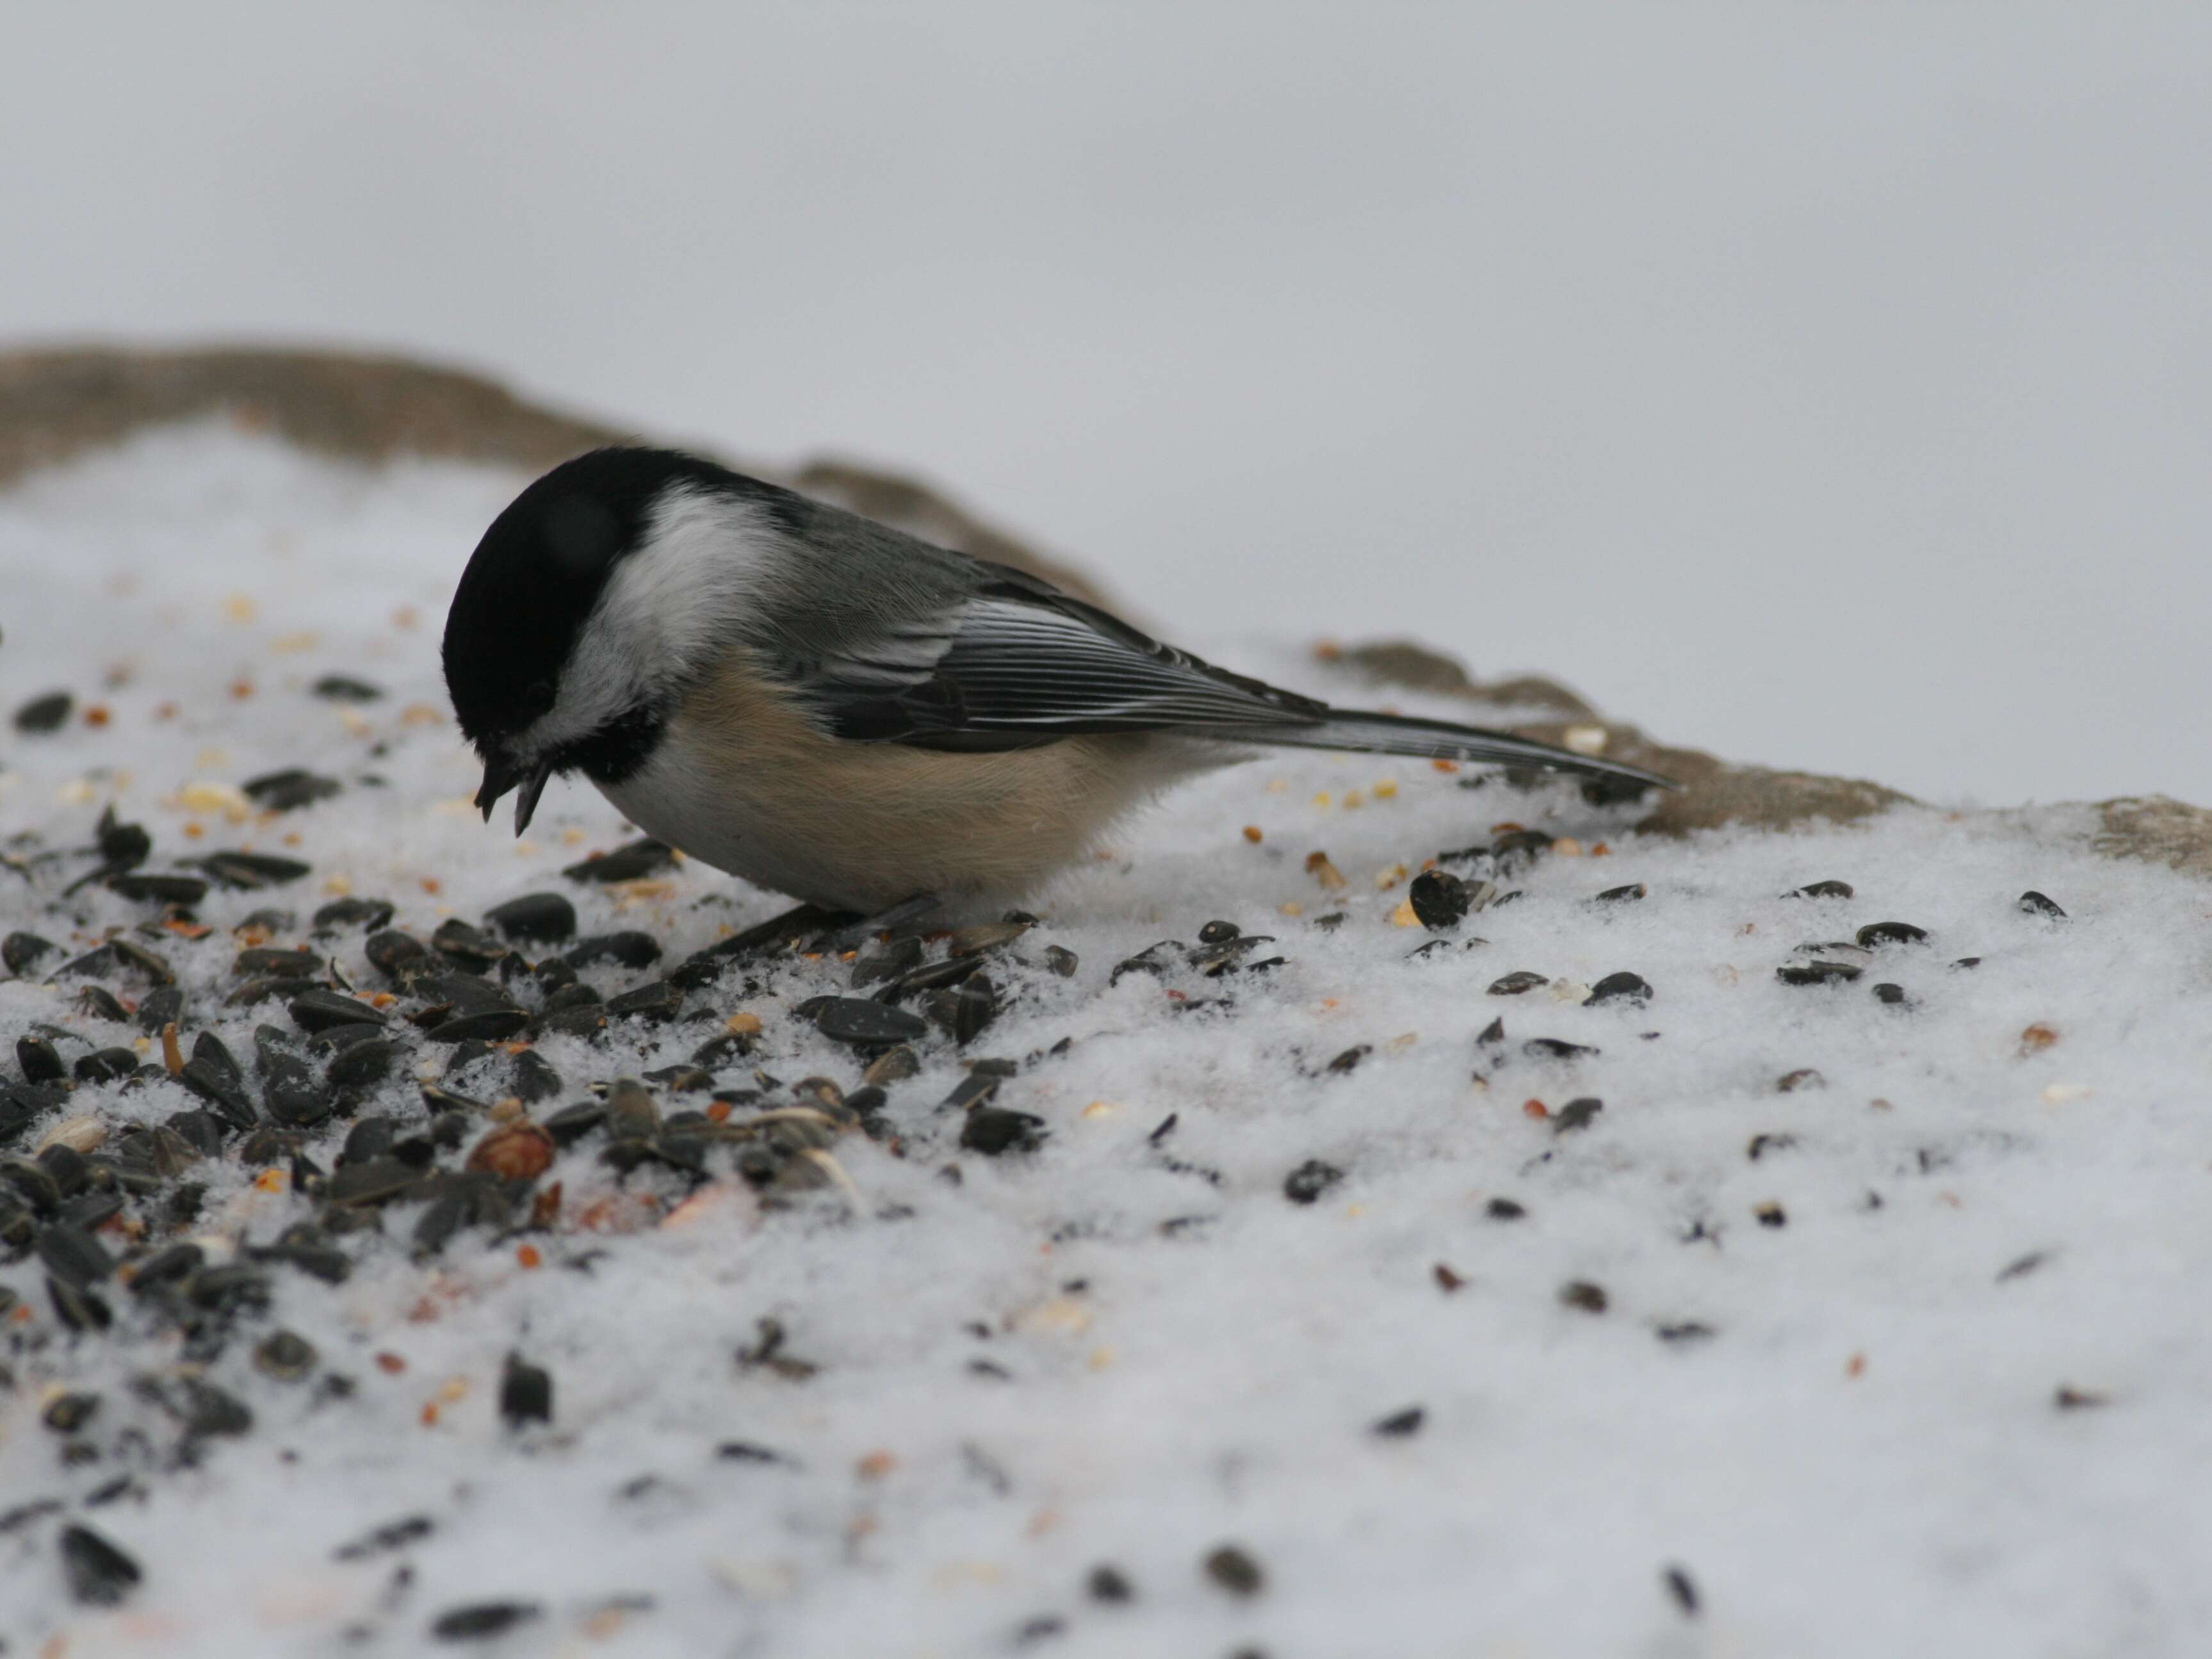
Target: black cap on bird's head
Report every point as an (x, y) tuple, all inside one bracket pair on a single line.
[(521, 611)]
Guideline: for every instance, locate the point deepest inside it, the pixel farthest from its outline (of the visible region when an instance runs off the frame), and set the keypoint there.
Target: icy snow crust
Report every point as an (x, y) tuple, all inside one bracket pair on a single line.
[(1864, 1456)]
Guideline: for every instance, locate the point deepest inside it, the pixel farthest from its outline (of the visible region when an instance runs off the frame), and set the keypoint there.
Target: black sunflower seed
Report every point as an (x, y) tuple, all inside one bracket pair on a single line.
[(629, 949), (288, 790), (1818, 972), (1841, 889), (251, 870), (390, 951), (2039, 904), (40, 1060), (1618, 988), (525, 1393), (44, 714), (470, 947), (1440, 900), (862, 1022), (486, 1025), (23, 951), (1891, 932), (1576, 1115), (995, 1130), (1306, 1183), (1634, 890), (1555, 1048), (535, 916), (369, 913), (344, 688), (1402, 1424), (1516, 983), (144, 887), (482, 1620), (100, 1575), (1235, 1571), (638, 860)]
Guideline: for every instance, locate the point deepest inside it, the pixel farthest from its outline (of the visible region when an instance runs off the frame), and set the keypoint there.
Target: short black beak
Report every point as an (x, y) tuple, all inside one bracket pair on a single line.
[(501, 773)]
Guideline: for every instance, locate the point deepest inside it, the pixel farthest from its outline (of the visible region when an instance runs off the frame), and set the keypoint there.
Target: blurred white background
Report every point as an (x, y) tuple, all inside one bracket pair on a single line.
[(1830, 386)]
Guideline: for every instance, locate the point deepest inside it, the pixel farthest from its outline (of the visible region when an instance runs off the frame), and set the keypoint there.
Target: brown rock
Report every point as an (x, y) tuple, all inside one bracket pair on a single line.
[(2156, 829), (58, 402)]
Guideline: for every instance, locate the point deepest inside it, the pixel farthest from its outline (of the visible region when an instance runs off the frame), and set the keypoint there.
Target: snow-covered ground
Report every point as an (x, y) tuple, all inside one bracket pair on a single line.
[(1909, 1358)]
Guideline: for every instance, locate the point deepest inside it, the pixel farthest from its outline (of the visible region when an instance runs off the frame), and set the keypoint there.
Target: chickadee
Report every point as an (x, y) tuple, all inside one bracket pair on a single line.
[(834, 710)]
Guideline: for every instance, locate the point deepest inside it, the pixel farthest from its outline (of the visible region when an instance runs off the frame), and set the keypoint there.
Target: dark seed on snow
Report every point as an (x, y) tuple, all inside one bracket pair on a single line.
[(963, 1012), (1818, 972), (572, 1123), (199, 1406), (158, 1007), (894, 1065), (43, 715), (1841, 889), (1763, 1143), (1217, 933), (2023, 1266), (1306, 1183), (660, 999), (1583, 1295), (1061, 961), (1684, 1593), (1440, 900), (357, 1066), (534, 1079), (491, 1025), (2070, 1399), (1804, 1078), (1618, 988), (1893, 994), (1966, 962), (638, 860), (321, 1011), (24, 951), (2039, 904), (1576, 1115), (535, 916), (525, 1393), (1688, 1330), (251, 871), (482, 1620), (972, 1090), (1401, 1426), (286, 790), (393, 1535), (100, 1575), (389, 951), (79, 1309), (629, 949), (1555, 1048), (65, 1413), (285, 1355), (470, 947), (40, 1060), (1771, 1215), (862, 1022), (100, 1002), (261, 962), (1504, 1209), (1513, 984), (981, 939), (1350, 1059), (344, 688), (1891, 932), (1107, 1582), (369, 913), (995, 1130), (378, 1181), (148, 887), (1635, 889), (106, 1065), (74, 1256), (1235, 1571)]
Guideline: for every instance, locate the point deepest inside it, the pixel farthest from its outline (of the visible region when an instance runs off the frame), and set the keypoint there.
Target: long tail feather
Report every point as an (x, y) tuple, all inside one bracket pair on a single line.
[(1400, 734)]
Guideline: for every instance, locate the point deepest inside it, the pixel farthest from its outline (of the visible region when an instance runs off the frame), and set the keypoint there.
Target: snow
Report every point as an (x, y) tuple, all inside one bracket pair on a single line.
[(1865, 1455)]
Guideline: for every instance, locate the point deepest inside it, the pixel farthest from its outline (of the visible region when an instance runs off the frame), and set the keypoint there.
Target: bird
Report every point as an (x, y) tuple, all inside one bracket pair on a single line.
[(834, 710)]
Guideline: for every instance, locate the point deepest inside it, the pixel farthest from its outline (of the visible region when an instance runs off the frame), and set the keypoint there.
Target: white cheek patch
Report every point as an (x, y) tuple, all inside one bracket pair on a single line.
[(665, 614)]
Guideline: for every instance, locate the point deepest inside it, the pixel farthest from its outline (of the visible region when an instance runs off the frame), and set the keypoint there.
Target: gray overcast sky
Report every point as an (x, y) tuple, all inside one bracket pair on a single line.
[(1829, 386)]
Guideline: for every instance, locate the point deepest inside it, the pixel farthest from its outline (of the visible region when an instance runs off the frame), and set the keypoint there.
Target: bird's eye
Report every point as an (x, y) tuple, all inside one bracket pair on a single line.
[(539, 695)]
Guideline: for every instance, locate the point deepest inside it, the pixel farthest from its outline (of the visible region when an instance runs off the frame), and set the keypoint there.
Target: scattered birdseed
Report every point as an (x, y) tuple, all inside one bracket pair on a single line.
[(1235, 1571)]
